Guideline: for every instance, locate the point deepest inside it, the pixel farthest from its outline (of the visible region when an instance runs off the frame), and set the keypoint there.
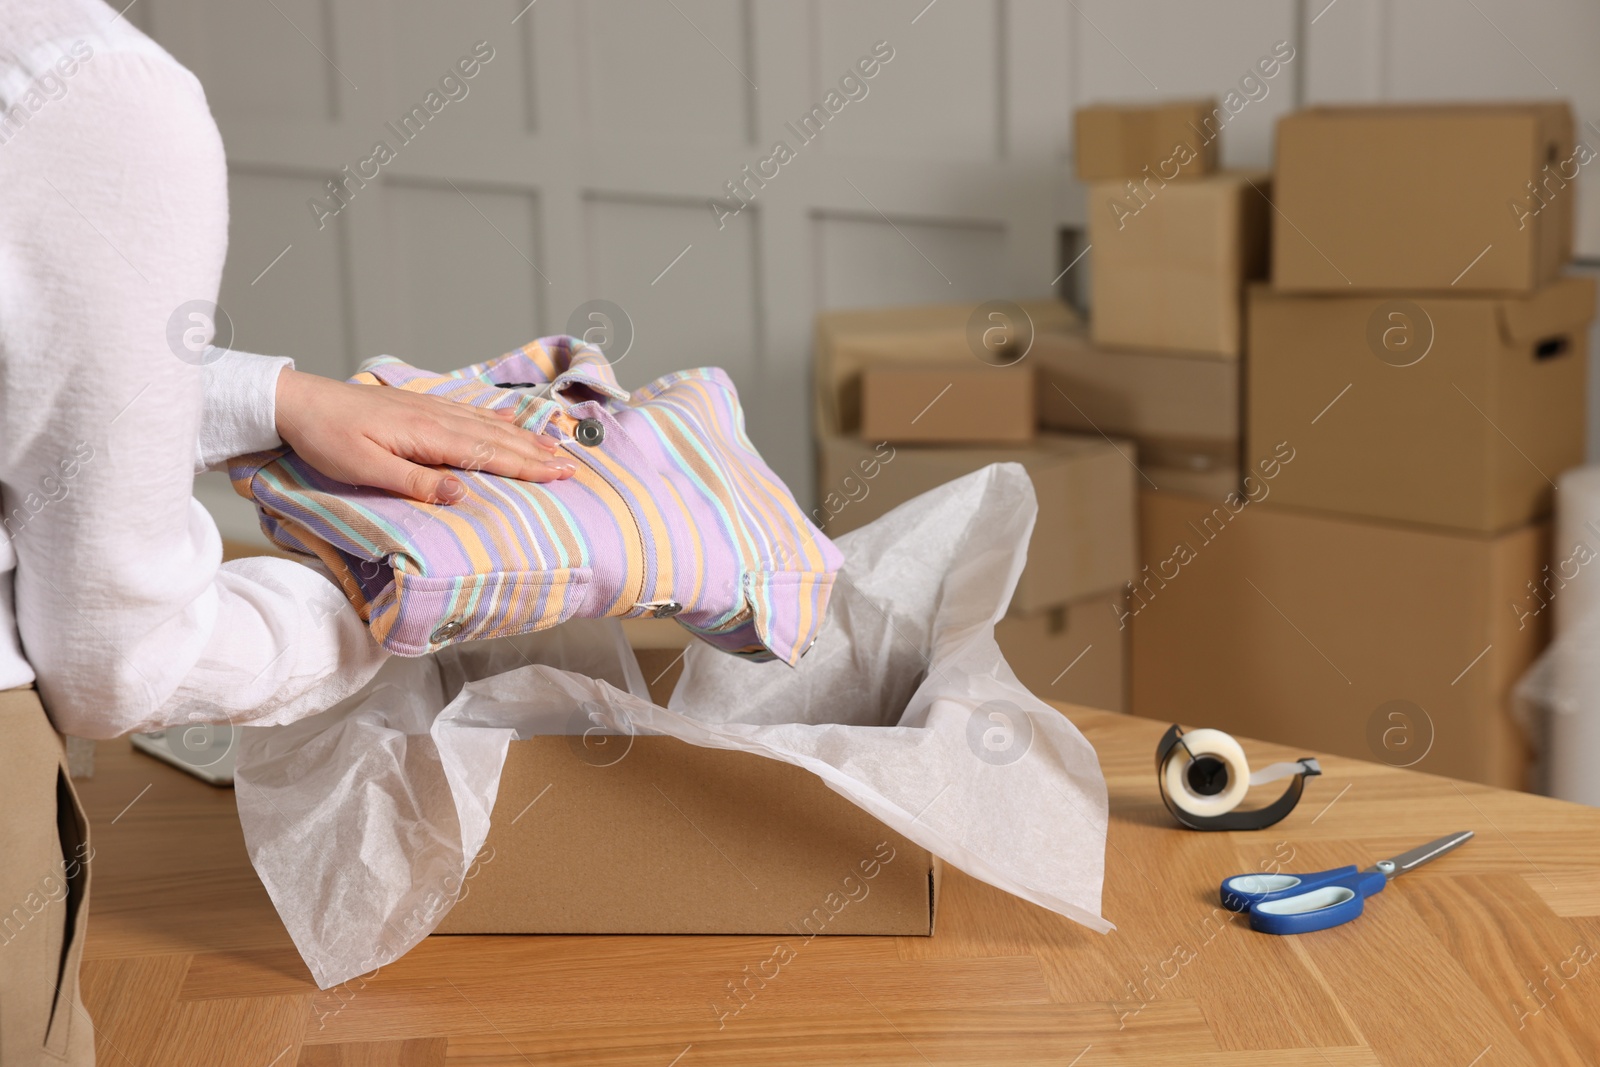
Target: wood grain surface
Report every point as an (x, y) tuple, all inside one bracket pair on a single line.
[(1486, 957)]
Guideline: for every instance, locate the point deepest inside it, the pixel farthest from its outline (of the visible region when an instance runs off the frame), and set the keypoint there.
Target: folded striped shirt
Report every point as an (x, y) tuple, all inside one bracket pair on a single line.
[(672, 513)]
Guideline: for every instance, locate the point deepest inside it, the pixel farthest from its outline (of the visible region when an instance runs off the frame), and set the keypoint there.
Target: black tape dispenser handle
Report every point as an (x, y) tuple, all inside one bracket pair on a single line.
[(1203, 775)]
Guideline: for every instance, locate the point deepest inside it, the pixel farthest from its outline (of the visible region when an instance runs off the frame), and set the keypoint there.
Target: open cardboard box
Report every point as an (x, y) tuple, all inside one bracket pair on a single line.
[(849, 341), (650, 835)]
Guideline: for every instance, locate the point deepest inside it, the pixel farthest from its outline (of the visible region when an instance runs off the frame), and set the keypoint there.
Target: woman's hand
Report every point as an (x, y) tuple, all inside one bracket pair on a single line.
[(393, 439)]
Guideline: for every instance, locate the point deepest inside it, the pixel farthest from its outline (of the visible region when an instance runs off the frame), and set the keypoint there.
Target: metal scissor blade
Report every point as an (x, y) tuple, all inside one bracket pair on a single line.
[(1421, 854)]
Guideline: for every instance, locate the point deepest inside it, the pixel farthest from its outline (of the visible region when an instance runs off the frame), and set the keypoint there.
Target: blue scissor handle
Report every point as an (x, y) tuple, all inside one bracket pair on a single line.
[(1327, 904), (1243, 891)]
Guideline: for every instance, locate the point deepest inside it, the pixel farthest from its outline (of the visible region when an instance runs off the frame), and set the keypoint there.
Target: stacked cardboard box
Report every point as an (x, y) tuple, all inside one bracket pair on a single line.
[(911, 398), (1174, 243), (1181, 413), (1174, 240), (1376, 640), (1415, 380)]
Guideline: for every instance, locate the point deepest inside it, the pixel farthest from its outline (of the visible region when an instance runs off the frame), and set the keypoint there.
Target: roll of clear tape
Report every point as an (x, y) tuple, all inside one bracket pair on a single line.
[(1203, 776), (1198, 744)]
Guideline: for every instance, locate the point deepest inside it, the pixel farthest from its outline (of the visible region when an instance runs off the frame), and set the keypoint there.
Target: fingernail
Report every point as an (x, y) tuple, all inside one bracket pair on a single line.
[(451, 490), (565, 465)]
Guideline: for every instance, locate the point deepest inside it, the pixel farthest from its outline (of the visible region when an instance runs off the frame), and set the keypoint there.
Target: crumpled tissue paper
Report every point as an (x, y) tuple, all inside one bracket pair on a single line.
[(363, 821)]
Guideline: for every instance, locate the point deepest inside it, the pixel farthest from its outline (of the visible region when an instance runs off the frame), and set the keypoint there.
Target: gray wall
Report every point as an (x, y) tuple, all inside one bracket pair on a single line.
[(580, 163)]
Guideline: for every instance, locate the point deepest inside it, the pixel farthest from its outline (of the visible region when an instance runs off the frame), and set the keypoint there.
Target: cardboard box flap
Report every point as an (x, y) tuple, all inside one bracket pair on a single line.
[(1171, 139), (1555, 311)]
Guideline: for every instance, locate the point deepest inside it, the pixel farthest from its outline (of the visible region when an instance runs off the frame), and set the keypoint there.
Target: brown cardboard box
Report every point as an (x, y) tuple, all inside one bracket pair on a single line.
[(1083, 539), (1170, 140), (847, 341), (970, 402), (670, 838), (1472, 198), (1469, 433), (1308, 628), (653, 835), (1171, 260), (1076, 653), (1199, 474), (1168, 402)]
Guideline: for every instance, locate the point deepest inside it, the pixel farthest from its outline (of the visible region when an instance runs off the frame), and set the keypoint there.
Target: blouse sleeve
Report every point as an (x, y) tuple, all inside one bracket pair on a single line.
[(113, 221)]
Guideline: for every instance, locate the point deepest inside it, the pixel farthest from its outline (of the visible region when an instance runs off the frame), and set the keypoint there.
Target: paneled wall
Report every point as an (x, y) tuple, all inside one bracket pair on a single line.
[(580, 162)]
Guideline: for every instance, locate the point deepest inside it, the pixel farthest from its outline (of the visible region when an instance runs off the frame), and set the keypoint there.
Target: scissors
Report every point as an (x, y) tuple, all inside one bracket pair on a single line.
[(1301, 903)]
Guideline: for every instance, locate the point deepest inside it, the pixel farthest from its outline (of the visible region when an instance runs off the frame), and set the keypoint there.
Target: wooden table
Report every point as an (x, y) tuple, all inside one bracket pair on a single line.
[(1485, 958)]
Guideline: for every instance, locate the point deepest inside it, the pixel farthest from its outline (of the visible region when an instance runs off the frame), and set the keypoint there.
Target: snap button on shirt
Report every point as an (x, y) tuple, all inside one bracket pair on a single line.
[(448, 630), (590, 432)]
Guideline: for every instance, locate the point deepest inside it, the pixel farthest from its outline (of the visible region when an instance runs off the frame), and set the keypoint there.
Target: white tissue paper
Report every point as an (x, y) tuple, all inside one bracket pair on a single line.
[(362, 822)]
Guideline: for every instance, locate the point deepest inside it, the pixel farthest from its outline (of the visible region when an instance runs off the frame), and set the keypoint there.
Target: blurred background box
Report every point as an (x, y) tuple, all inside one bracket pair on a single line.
[(1469, 434), (1210, 475), (1083, 539), (1168, 402), (1113, 142), (1305, 628), (960, 402), (1411, 197), (847, 341), (1171, 260), (1077, 652)]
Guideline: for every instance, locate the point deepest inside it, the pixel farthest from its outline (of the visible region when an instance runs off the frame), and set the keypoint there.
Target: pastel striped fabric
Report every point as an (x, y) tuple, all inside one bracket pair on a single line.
[(672, 513)]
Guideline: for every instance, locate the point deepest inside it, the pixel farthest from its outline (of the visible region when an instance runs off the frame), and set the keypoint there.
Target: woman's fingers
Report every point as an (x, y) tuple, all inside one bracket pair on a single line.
[(382, 469), (508, 454), (491, 447), (396, 440), (498, 448)]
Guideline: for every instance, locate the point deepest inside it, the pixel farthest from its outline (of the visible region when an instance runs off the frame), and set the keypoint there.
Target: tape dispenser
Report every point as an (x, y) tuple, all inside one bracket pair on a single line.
[(1203, 776)]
